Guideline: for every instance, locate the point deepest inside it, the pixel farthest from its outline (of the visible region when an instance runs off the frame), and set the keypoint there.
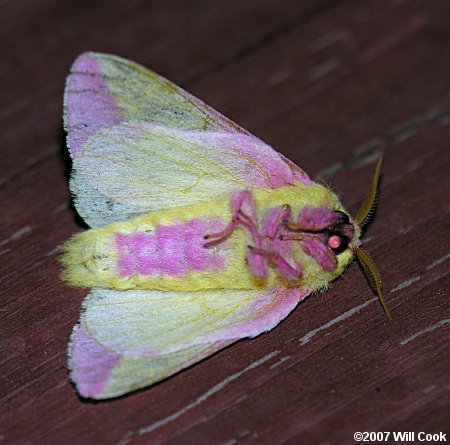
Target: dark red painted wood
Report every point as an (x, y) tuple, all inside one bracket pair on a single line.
[(331, 84)]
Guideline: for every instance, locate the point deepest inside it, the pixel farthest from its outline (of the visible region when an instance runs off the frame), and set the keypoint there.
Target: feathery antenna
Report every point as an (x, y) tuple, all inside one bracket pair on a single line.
[(369, 204)]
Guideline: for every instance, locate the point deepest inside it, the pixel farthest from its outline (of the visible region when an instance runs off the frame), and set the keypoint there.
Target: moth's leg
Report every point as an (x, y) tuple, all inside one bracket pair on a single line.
[(220, 237), (314, 219), (286, 270), (238, 201), (303, 236), (314, 245), (248, 222), (261, 252), (276, 220), (243, 210), (288, 223), (257, 263)]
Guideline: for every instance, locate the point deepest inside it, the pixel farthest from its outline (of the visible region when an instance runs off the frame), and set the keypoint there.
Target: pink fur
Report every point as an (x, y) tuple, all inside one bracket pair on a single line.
[(316, 248), (238, 202), (169, 250), (263, 247), (277, 242), (270, 247), (257, 265), (316, 218), (274, 220)]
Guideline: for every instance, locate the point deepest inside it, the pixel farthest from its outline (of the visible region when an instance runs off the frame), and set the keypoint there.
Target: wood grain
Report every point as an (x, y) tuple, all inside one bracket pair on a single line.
[(331, 84)]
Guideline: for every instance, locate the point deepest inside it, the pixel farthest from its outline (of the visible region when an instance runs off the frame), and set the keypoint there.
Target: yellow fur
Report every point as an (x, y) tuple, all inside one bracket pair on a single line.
[(90, 258)]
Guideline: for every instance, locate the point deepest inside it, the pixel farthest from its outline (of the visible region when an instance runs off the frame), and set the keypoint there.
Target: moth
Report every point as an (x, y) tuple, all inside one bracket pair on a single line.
[(201, 234)]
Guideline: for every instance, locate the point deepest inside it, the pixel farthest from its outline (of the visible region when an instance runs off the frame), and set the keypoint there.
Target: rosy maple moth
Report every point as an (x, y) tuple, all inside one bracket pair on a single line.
[(201, 234)]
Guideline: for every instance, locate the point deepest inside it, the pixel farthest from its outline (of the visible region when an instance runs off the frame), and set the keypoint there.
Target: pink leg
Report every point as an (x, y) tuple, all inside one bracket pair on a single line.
[(221, 236), (257, 263), (259, 254), (301, 237), (313, 219), (238, 200), (246, 221), (274, 249), (283, 266), (275, 221)]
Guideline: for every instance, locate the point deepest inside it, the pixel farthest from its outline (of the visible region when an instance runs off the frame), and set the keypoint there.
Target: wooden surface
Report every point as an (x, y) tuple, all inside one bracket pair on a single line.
[(331, 84)]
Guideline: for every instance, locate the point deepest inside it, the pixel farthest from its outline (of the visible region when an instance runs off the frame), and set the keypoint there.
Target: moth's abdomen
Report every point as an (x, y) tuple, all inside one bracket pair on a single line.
[(163, 250)]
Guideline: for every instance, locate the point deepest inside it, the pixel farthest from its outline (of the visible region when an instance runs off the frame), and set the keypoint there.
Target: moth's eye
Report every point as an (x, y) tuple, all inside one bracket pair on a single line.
[(343, 218), (337, 243)]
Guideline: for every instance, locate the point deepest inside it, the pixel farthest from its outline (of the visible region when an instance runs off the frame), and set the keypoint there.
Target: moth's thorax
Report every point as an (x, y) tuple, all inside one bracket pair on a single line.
[(166, 249)]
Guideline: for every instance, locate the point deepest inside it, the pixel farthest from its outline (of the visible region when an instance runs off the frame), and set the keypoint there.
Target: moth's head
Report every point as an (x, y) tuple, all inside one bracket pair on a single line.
[(332, 238), (343, 234)]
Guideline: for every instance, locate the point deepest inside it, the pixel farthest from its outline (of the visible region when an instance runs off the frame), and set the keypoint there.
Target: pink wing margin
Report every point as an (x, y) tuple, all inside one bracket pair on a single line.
[(94, 365), (89, 106)]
